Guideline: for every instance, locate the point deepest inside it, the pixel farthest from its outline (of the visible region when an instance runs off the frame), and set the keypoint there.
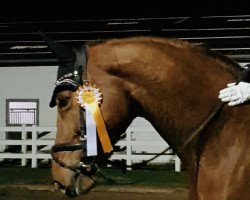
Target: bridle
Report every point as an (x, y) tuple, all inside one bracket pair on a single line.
[(86, 165), (70, 78)]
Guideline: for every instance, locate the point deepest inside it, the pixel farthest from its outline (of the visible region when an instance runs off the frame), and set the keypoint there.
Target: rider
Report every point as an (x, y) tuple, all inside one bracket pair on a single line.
[(236, 94)]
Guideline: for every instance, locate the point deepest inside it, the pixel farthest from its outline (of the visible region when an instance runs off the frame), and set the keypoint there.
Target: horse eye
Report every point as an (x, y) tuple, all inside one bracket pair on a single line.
[(62, 102)]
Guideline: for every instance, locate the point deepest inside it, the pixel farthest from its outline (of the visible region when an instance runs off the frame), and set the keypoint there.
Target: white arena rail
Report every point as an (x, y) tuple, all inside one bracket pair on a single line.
[(141, 149), (132, 154), (24, 142)]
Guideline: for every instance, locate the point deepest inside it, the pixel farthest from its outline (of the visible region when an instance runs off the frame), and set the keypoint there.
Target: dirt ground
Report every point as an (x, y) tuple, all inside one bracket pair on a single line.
[(103, 193)]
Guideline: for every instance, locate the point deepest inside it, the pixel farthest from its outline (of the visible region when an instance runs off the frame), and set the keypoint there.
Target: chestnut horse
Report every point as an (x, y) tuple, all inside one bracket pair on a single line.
[(174, 85)]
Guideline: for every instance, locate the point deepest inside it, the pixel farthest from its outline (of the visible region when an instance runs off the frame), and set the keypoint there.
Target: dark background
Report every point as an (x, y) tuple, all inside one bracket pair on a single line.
[(103, 9), (221, 26)]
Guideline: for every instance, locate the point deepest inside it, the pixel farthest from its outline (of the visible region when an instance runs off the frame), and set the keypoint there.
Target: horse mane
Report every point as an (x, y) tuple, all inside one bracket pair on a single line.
[(231, 65), (221, 57)]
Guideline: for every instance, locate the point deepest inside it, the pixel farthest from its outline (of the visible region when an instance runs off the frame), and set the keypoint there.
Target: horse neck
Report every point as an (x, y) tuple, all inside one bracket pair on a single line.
[(177, 97), (176, 89)]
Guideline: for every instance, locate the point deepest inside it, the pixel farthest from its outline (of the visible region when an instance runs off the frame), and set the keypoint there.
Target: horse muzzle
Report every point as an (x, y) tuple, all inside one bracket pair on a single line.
[(82, 180), (80, 185)]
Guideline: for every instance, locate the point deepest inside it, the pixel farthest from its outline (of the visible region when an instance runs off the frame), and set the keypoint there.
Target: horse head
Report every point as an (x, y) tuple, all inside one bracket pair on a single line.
[(72, 169)]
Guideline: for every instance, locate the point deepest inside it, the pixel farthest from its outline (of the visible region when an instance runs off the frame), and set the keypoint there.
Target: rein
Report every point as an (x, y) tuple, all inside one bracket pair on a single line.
[(244, 76), (205, 123)]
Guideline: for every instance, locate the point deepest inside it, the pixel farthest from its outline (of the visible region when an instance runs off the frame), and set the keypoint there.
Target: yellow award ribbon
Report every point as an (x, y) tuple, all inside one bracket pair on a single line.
[(89, 97)]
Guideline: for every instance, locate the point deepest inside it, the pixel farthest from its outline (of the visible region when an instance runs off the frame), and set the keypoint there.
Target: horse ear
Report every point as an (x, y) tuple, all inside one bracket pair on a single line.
[(67, 59), (65, 55)]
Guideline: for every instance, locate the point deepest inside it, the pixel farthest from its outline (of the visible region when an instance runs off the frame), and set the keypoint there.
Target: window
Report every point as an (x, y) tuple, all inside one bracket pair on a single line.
[(22, 112)]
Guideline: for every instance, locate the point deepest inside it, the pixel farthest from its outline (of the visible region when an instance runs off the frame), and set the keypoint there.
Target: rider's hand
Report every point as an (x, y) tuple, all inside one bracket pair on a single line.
[(235, 94)]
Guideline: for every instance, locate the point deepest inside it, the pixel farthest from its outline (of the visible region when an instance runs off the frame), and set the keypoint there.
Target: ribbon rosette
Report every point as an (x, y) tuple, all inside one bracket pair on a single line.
[(89, 98)]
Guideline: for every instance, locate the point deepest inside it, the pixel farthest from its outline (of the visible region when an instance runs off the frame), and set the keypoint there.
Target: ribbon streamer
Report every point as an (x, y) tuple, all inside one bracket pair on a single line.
[(101, 128), (89, 98), (91, 134)]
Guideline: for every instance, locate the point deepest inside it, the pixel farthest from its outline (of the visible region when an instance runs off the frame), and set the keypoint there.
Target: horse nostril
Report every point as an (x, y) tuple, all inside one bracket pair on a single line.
[(57, 186), (71, 192)]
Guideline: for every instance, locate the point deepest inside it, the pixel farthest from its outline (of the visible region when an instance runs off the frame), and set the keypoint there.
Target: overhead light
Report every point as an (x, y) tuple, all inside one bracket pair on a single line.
[(29, 47)]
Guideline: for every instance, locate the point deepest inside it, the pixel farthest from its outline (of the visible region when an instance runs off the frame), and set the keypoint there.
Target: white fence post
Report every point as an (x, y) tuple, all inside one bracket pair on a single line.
[(129, 147), (34, 147), (24, 146), (177, 164)]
